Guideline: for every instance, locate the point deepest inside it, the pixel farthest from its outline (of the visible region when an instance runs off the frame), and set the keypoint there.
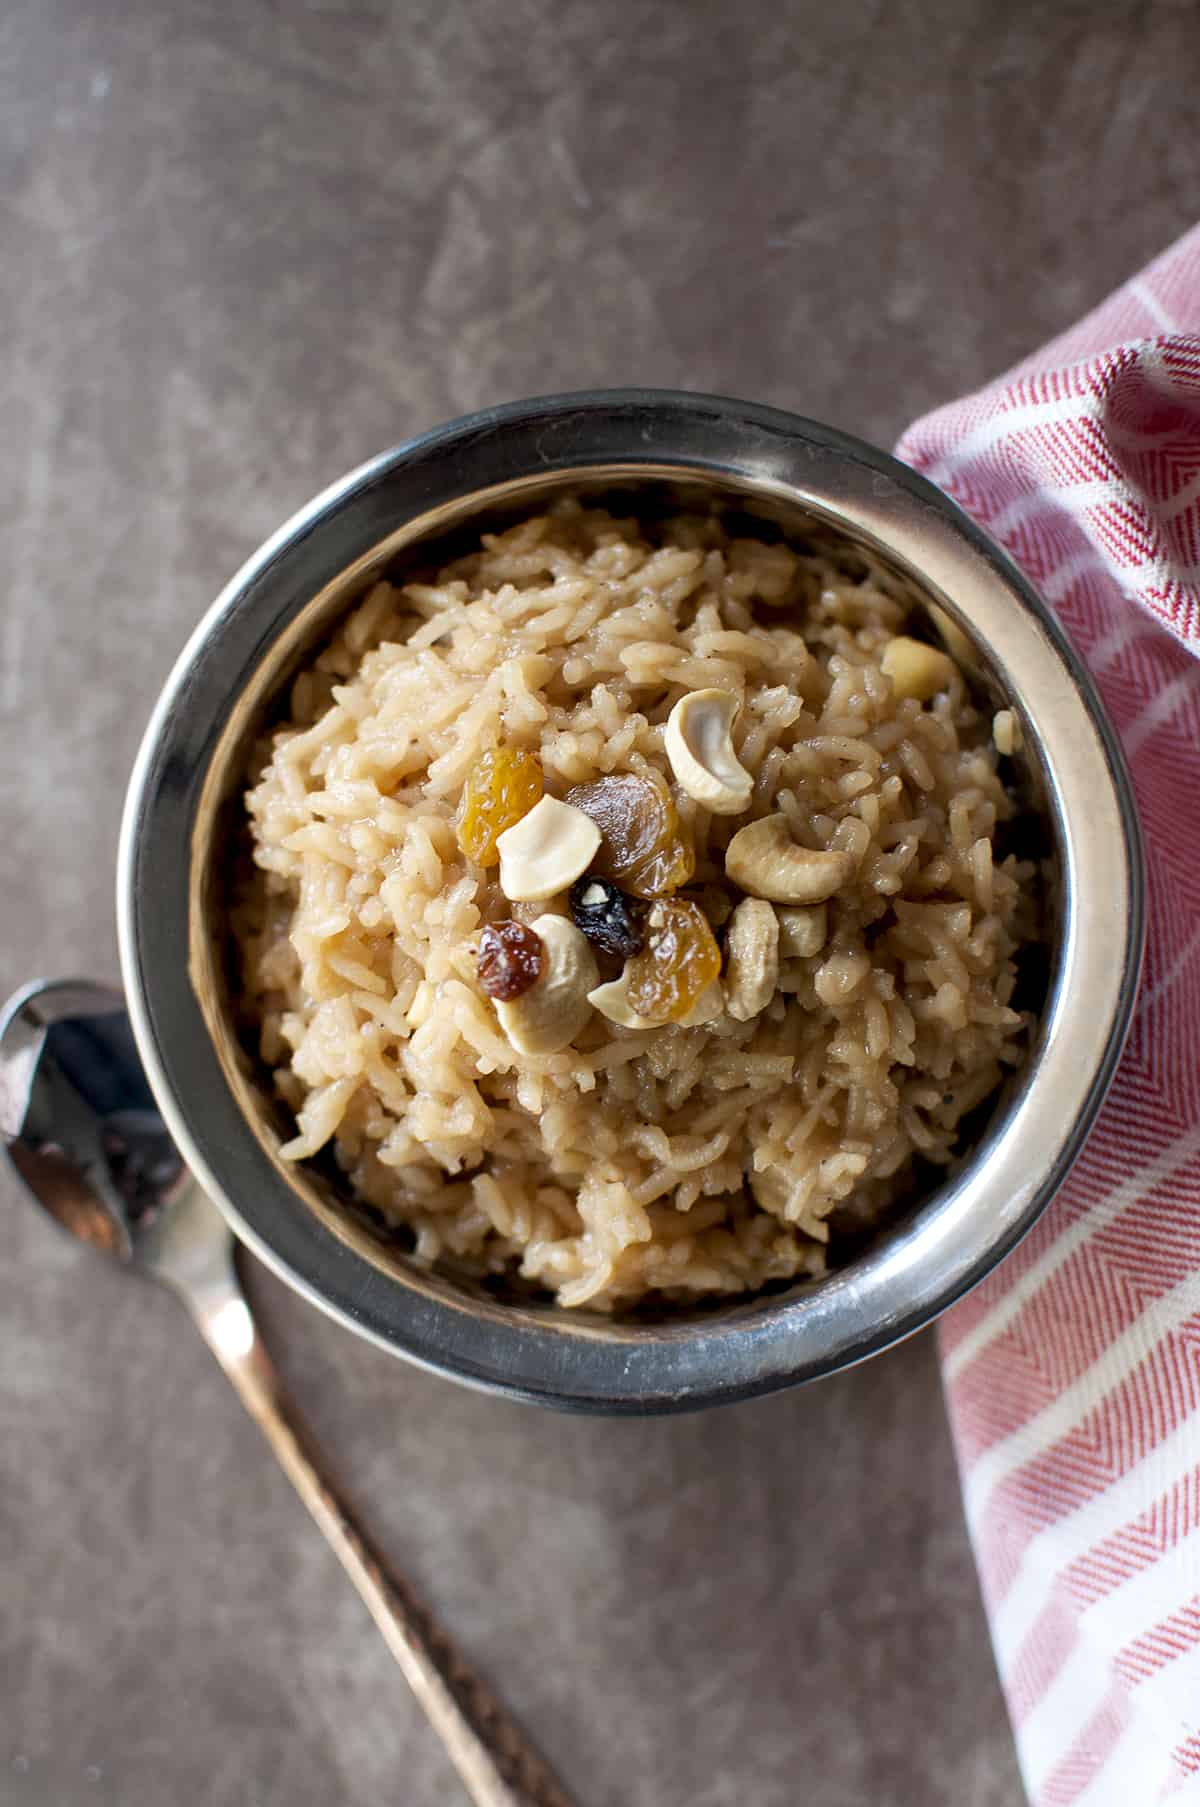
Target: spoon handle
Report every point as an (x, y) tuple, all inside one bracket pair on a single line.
[(497, 1764)]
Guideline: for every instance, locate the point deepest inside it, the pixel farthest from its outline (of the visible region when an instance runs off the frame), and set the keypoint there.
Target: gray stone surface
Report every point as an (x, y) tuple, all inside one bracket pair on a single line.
[(243, 247)]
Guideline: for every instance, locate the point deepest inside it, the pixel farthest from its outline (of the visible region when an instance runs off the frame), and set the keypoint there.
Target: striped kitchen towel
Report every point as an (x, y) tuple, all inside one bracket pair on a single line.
[(1073, 1373)]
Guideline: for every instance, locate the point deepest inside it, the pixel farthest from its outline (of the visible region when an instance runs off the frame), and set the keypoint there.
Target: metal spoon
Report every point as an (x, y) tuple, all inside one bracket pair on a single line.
[(84, 1134)]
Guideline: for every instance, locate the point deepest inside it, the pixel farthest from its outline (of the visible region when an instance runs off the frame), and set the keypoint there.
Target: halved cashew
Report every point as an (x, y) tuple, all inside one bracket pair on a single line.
[(699, 745), (555, 1008), (612, 1001), (765, 861), (916, 669), (752, 958), (802, 932), (546, 851)]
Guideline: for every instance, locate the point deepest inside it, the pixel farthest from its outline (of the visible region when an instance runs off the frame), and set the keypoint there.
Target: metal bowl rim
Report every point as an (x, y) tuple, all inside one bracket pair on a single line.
[(854, 1314)]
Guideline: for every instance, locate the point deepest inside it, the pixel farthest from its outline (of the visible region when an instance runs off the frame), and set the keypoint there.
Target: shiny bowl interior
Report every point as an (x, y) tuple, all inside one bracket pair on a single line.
[(412, 507)]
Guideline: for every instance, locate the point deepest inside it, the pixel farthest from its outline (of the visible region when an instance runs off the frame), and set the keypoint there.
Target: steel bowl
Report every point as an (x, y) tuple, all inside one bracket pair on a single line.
[(181, 812)]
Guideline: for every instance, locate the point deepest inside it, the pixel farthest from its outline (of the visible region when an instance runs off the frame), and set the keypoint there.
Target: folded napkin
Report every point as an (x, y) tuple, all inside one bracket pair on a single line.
[(1073, 1373)]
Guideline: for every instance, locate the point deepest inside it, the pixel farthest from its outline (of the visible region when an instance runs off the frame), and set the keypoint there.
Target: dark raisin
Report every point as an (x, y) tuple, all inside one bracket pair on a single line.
[(611, 919), (510, 959)]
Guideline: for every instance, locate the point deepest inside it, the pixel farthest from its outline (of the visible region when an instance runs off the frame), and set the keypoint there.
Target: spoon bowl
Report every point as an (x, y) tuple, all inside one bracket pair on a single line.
[(86, 1138)]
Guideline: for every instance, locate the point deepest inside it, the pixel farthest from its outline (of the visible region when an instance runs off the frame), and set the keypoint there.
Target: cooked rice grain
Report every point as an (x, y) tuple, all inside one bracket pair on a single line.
[(681, 1161)]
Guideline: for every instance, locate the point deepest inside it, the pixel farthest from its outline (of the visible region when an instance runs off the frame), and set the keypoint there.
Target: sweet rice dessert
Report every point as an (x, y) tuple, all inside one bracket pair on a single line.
[(625, 908)]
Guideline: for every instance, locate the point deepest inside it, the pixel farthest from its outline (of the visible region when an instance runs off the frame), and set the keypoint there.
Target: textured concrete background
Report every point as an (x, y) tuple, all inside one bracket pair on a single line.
[(241, 248)]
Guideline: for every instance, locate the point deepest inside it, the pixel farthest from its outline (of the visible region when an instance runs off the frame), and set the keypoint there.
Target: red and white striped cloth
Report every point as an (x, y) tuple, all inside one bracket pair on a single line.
[(1073, 1372)]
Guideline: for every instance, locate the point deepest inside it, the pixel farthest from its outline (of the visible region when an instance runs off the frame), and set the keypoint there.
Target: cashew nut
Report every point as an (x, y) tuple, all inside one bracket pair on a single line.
[(916, 669), (765, 861), (752, 958), (612, 1001), (546, 851), (699, 745), (802, 932), (555, 1008)]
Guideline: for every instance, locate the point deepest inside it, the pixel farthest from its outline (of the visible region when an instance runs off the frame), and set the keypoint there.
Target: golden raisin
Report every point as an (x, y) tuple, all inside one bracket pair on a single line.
[(643, 846), (510, 959), (678, 960), (502, 787)]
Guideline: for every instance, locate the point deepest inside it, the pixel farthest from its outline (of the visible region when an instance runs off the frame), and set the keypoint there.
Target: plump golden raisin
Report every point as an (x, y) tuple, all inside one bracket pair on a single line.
[(643, 846), (679, 958), (510, 960), (503, 786)]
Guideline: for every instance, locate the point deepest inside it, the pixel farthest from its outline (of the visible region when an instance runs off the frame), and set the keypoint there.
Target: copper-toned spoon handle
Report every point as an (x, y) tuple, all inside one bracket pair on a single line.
[(498, 1765)]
